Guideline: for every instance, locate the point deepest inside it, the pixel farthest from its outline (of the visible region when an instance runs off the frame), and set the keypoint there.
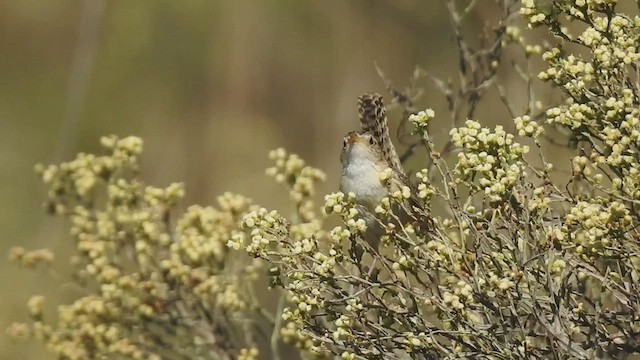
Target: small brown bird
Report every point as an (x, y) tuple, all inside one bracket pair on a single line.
[(365, 156)]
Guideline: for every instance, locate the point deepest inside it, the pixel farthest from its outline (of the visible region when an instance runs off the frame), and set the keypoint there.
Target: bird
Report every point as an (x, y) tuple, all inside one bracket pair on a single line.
[(366, 154)]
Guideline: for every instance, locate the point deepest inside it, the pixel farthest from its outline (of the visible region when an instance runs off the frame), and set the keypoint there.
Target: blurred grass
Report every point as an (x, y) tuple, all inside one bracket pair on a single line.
[(211, 86)]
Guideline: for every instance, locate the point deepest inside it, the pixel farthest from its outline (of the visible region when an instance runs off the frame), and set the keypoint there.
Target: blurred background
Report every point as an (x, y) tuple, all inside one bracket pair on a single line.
[(211, 87)]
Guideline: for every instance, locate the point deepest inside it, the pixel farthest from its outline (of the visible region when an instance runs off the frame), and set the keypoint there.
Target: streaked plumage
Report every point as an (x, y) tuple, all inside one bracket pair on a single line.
[(373, 119)]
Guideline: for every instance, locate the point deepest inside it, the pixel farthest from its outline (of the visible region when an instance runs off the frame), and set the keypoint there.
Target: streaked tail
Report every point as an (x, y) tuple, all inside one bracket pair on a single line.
[(373, 118)]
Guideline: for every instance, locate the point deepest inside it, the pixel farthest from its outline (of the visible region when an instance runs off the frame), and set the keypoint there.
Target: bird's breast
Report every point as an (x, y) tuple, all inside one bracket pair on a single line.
[(362, 177)]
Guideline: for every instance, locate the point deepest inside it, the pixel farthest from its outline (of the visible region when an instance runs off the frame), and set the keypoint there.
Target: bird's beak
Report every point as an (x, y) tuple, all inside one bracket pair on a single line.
[(353, 138)]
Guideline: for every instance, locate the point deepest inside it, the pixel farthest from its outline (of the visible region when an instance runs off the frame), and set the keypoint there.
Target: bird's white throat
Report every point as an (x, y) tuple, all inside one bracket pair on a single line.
[(361, 175)]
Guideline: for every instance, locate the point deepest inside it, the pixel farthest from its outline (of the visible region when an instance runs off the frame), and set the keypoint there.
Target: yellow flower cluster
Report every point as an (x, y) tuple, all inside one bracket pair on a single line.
[(491, 156), (528, 128), (299, 178), (422, 118), (597, 229)]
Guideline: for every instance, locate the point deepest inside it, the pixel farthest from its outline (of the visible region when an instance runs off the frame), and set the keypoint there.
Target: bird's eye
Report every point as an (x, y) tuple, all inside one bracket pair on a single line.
[(344, 142), (371, 141)]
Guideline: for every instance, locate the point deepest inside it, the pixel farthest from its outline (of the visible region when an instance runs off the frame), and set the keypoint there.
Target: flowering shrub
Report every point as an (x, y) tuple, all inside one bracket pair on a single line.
[(502, 261), (156, 289)]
